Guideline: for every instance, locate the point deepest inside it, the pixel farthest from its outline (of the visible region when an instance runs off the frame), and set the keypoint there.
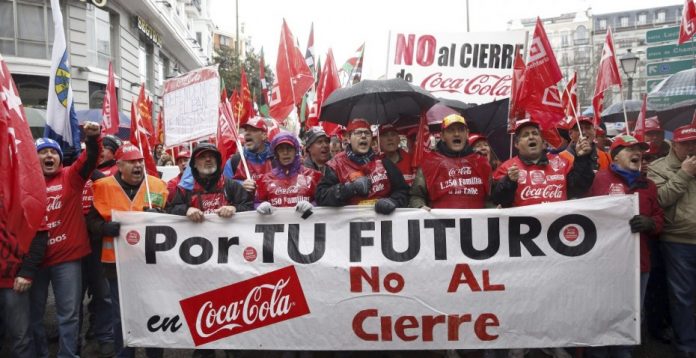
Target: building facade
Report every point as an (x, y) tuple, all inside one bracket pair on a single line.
[(147, 41)]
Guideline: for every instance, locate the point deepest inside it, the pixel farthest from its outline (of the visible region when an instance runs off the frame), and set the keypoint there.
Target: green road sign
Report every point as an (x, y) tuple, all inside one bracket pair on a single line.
[(660, 103), (661, 35), (668, 68), (650, 84), (670, 51)]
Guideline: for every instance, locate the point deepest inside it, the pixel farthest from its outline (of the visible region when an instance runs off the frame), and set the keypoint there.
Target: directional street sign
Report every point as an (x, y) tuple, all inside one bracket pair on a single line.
[(661, 35), (652, 83), (670, 51), (668, 68)]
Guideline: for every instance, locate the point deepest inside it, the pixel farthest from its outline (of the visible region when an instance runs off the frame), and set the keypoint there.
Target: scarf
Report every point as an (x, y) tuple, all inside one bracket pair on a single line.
[(361, 159), (630, 176)]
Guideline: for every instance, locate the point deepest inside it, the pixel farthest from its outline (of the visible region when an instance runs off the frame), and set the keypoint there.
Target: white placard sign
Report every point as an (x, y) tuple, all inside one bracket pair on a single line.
[(549, 275)]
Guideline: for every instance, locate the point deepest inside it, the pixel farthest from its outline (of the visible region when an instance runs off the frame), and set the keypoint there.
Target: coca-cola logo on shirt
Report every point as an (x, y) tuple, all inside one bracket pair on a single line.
[(549, 192), (244, 306), (293, 189), (54, 203), (456, 172)]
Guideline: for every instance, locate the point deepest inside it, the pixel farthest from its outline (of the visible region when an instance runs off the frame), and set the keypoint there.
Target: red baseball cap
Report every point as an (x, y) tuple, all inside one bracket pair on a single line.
[(585, 119), (622, 141), (258, 123), (358, 123), (525, 122), (183, 154), (128, 152), (652, 124), (475, 138), (684, 134)]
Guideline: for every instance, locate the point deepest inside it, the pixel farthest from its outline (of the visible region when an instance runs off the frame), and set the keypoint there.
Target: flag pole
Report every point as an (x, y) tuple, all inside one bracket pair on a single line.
[(140, 146), (240, 149), (623, 102), (575, 113)]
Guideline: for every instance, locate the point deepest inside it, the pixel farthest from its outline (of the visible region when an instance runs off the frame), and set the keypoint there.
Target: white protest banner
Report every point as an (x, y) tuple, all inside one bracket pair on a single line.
[(549, 275), (191, 106), (470, 67)]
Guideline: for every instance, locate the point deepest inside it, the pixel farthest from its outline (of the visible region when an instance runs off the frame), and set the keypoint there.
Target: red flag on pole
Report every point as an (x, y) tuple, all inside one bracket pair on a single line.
[(139, 138), (570, 96), (293, 76), (22, 196), (421, 144), (226, 131), (516, 111), (328, 82), (639, 129), (160, 128), (542, 69), (246, 106), (110, 106), (687, 26), (607, 75)]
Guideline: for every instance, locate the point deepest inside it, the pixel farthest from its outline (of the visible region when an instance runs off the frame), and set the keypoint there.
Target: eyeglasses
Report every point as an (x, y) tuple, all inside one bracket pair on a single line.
[(364, 132)]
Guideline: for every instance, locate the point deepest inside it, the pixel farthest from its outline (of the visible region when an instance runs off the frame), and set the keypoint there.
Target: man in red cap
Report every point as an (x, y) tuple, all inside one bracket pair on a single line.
[(125, 191), (182, 160), (257, 152), (624, 177), (535, 176), (357, 176), (655, 136), (675, 177), (389, 141), (452, 176), (600, 158)]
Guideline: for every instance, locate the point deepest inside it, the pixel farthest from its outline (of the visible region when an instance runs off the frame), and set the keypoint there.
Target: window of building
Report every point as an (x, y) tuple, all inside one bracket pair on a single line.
[(602, 24), (33, 35), (98, 37), (623, 21), (661, 16), (581, 36), (642, 19), (199, 38), (97, 91), (145, 63), (565, 39)]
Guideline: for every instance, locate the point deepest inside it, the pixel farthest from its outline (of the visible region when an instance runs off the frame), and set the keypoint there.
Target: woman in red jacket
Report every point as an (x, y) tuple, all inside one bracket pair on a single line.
[(289, 183), (624, 177)]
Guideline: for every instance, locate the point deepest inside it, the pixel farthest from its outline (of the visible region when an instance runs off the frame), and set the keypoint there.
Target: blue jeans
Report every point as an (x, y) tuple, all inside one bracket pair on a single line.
[(680, 261), (15, 312), (66, 279), (121, 351)]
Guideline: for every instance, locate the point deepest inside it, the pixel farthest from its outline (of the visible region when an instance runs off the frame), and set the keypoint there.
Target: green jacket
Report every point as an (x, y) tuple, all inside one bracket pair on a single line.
[(676, 193)]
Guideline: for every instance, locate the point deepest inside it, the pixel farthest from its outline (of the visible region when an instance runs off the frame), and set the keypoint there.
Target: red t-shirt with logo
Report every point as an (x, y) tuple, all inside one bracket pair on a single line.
[(287, 192), (456, 182), (537, 184)]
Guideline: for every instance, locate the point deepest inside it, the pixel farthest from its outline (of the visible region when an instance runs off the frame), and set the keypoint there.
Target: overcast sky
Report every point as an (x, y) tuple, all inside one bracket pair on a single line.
[(344, 25)]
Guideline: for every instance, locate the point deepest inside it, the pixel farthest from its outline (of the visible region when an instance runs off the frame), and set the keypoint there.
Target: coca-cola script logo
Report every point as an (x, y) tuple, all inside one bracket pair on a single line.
[(244, 306), (548, 192), (54, 203), (481, 85), (293, 189)]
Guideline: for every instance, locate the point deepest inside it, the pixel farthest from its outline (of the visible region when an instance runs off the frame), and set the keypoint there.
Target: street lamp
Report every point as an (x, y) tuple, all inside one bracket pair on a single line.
[(629, 60)]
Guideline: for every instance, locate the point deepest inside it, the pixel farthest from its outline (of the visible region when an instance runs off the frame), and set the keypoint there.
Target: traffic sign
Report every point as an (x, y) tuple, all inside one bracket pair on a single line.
[(668, 68), (650, 84), (661, 35), (670, 51)]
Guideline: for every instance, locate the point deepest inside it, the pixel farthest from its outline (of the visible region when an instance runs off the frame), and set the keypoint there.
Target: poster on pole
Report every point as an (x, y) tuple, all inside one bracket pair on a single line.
[(191, 106), (470, 67), (549, 275)]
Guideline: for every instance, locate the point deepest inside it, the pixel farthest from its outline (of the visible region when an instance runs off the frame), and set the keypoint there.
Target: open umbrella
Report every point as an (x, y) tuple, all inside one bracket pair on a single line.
[(677, 115), (455, 104), (378, 101), (490, 119), (614, 113), (678, 87)]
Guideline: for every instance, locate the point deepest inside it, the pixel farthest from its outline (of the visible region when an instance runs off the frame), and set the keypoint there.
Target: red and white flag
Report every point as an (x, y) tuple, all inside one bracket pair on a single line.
[(328, 82), (353, 67), (226, 138), (607, 75), (110, 107), (639, 129), (140, 135), (516, 111), (22, 188), (570, 96), (687, 26), (293, 77)]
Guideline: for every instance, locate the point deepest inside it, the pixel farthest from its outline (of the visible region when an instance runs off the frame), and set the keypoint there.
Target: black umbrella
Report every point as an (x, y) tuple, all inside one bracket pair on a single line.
[(455, 104), (614, 113), (490, 119), (378, 101), (677, 115), (678, 87)]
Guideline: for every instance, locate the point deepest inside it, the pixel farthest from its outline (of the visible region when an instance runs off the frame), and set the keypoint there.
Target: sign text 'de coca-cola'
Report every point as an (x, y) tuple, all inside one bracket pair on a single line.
[(244, 306)]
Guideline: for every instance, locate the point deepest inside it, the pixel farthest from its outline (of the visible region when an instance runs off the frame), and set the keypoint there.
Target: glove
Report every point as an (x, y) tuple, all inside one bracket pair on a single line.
[(641, 223), (385, 206), (112, 228), (152, 210), (305, 208), (360, 186), (265, 208)]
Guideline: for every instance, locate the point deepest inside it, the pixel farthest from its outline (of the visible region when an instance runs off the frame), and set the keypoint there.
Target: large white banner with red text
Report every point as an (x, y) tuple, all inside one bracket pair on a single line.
[(191, 106), (471, 67), (549, 275)]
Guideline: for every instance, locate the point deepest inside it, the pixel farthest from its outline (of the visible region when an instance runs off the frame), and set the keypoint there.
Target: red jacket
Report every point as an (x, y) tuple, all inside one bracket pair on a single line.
[(607, 182), (456, 182), (347, 171), (171, 187), (287, 192), (67, 232), (404, 166)]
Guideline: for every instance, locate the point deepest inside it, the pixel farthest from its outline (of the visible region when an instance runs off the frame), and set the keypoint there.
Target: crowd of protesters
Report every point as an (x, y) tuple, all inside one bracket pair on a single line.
[(74, 252)]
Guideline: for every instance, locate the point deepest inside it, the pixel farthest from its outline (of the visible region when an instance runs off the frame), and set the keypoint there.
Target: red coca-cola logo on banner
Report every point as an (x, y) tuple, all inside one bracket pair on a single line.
[(132, 237), (571, 233), (481, 85), (244, 306)]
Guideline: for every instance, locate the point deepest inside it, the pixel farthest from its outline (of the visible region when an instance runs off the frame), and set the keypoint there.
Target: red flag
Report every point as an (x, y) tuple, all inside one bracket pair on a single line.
[(548, 113), (235, 104), (160, 128), (422, 138), (110, 106), (542, 69), (687, 26), (144, 114), (22, 188), (226, 131), (639, 129), (516, 111), (293, 76), (607, 75), (570, 96), (244, 107), (139, 138), (328, 82)]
